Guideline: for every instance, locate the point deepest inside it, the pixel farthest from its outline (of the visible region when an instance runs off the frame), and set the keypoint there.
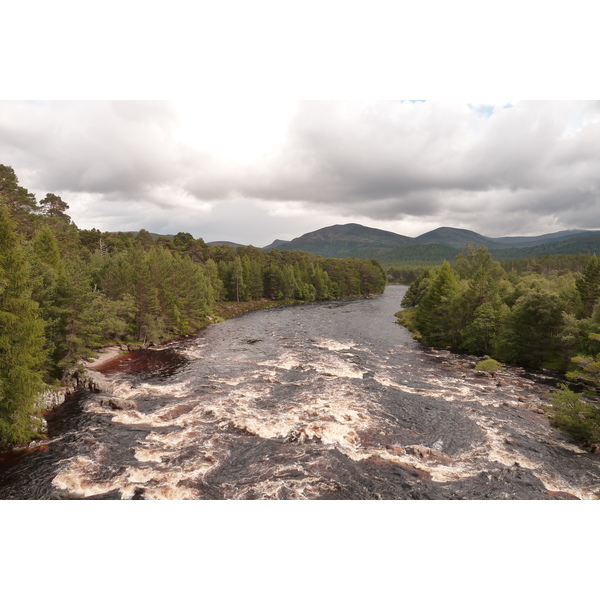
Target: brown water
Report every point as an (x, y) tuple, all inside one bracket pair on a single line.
[(328, 400)]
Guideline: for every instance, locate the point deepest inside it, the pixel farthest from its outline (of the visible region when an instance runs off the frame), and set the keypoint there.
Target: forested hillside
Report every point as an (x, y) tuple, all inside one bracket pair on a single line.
[(397, 253), (536, 312), (66, 292)]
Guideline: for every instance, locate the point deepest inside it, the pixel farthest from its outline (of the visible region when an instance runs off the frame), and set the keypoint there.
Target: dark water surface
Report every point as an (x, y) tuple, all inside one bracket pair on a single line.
[(330, 400)]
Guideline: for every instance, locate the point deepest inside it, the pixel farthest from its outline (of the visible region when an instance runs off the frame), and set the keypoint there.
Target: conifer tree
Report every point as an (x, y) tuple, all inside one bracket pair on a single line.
[(21, 340), (20, 203), (436, 313), (589, 285), (55, 207), (49, 290)]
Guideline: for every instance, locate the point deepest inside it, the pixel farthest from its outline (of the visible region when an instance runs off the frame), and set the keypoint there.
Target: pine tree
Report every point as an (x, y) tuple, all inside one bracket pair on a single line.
[(55, 207), (49, 278), (589, 285), (21, 203), (21, 340), (436, 313)]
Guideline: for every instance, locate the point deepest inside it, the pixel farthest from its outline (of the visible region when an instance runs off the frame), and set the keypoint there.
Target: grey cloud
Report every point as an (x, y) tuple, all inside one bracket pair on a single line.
[(393, 160), (98, 147), (499, 169)]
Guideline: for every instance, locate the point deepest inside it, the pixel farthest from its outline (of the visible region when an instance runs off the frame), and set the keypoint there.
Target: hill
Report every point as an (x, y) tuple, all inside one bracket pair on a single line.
[(352, 240), (548, 238), (586, 243), (341, 241), (231, 244), (357, 241), (458, 238)]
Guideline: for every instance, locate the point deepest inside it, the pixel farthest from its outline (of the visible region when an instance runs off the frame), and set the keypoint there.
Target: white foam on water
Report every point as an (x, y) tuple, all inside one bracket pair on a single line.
[(288, 361), (494, 449), (195, 352), (335, 416), (505, 453), (326, 363), (173, 390), (324, 404), (440, 467), (303, 486), (171, 482), (447, 390), (232, 382), (334, 345), (78, 477), (431, 393), (334, 366), (161, 491), (123, 390)]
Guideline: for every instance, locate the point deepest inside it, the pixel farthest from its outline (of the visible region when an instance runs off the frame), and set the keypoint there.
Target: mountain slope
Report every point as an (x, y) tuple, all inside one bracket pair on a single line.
[(588, 243), (357, 241), (458, 238), (350, 240), (232, 244), (538, 240)]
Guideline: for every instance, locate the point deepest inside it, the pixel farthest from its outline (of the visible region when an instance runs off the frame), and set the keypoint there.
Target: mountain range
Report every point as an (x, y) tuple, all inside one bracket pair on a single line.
[(357, 241), (444, 243)]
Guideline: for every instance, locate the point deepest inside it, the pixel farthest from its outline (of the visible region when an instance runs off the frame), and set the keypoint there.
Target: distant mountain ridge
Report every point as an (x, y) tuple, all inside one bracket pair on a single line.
[(231, 244), (358, 241), (352, 240)]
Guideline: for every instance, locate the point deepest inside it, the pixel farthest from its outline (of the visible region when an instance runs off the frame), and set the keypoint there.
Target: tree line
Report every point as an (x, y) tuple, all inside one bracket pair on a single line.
[(66, 292), (541, 313)]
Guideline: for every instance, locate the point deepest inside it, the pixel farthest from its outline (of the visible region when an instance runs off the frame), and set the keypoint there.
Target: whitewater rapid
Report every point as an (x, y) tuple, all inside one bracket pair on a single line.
[(327, 400)]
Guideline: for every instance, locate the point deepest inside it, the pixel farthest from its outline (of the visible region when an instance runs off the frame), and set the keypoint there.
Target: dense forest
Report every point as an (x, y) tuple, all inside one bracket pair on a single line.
[(540, 313), (66, 292)]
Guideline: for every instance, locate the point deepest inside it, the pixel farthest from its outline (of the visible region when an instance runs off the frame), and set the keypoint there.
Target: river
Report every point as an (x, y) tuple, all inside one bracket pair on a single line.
[(331, 400)]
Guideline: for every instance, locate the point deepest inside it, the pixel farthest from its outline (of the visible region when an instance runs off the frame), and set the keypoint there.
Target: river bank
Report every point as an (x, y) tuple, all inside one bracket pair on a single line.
[(88, 374)]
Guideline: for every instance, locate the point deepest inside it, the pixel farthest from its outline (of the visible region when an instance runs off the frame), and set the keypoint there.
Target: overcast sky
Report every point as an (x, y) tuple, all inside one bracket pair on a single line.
[(253, 171), (243, 160)]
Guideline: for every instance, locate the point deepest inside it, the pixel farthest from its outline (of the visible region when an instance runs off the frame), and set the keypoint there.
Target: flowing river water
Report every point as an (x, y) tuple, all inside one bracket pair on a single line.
[(331, 400)]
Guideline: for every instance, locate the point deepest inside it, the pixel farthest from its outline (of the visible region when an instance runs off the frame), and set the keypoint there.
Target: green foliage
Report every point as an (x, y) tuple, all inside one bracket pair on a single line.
[(489, 365), (19, 202), (21, 339), (588, 285), (515, 315), (417, 289), (482, 333), (578, 417), (405, 274), (436, 313), (534, 327), (407, 318), (588, 369)]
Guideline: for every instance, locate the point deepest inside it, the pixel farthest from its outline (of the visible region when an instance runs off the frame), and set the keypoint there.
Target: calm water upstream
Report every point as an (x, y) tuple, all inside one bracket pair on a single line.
[(330, 400)]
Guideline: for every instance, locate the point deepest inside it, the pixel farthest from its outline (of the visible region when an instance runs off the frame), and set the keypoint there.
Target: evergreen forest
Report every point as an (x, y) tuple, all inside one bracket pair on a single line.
[(66, 292), (540, 313)]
